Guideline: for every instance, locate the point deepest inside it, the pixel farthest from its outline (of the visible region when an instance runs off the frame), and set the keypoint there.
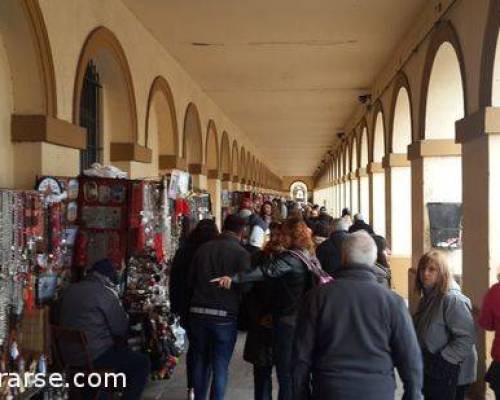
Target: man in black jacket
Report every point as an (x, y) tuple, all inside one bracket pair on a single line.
[(92, 306), (214, 311), (360, 225), (329, 252), (351, 334)]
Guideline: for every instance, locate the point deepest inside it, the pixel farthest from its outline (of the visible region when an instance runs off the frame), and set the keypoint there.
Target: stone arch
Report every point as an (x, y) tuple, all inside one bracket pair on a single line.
[(235, 166), (353, 153), (192, 143), (242, 165), (225, 157), (118, 100), (29, 55), (490, 62), (212, 148), (161, 107), (377, 143), (401, 125), (248, 168), (443, 85), (363, 146)]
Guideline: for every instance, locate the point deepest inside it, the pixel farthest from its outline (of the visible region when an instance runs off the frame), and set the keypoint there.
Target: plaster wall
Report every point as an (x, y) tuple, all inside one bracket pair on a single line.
[(69, 23), (6, 108)]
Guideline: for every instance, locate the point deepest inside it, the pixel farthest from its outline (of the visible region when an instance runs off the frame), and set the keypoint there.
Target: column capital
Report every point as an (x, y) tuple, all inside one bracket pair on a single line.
[(226, 177), (213, 174), (485, 121), (351, 176), (44, 128), (171, 162), (395, 160), (197, 169), (433, 148), (130, 152), (375, 168), (361, 172), (236, 179)]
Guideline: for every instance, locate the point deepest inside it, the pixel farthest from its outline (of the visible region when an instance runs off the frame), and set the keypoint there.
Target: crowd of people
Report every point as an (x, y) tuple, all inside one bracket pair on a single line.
[(315, 296)]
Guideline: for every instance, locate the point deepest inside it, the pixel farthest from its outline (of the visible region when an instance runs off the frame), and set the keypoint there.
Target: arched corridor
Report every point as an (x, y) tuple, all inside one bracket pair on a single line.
[(386, 111)]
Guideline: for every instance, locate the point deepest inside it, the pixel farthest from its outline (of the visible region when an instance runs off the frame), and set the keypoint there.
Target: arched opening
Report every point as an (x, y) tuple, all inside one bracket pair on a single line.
[(364, 184), (442, 175), (161, 127), (118, 115), (225, 155), (212, 162), (345, 182), (495, 84), (352, 187), (193, 143), (299, 191), (242, 168), (27, 86), (377, 177), (90, 107), (445, 95), (399, 228), (235, 162)]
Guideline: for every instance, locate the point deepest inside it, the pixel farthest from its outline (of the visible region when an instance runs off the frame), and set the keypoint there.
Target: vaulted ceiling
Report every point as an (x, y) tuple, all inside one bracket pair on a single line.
[(287, 72)]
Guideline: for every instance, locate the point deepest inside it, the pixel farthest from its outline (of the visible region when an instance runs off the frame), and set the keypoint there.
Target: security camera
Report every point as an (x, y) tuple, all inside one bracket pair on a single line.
[(340, 135), (365, 98)]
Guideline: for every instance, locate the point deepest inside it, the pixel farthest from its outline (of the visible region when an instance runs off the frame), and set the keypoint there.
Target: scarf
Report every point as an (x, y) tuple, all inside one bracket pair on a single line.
[(427, 308)]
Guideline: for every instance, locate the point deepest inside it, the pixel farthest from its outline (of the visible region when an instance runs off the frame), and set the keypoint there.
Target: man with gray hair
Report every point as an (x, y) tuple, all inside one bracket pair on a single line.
[(329, 252), (352, 333), (360, 225)]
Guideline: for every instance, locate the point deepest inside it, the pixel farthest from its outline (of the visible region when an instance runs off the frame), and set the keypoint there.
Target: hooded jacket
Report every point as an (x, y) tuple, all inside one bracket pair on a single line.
[(451, 333)]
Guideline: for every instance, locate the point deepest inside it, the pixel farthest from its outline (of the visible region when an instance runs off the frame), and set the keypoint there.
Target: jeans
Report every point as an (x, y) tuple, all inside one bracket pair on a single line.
[(212, 346), (282, 350), (134, 365), (461, 392), (263, 382)]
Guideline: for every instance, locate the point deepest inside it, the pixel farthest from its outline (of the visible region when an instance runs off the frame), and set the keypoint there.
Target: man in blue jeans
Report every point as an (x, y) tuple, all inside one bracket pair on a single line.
[(214, 311)]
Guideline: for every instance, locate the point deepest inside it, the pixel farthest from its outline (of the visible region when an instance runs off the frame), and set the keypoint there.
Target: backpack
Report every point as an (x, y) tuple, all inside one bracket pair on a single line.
[(321, 277)]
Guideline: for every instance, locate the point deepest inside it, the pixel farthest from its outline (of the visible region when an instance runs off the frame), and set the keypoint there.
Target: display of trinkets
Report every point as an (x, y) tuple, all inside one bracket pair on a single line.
[(153, 328)]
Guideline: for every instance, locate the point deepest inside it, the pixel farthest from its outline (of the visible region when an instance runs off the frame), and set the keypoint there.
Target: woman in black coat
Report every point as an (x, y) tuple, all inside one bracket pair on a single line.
[(259, 341)]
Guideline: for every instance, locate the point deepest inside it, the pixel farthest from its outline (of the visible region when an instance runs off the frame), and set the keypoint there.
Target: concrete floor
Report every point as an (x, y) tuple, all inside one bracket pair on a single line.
[(240, 381)]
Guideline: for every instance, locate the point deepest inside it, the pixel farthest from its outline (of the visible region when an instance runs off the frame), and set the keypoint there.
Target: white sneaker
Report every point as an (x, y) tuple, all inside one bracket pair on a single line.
[(190, 394)]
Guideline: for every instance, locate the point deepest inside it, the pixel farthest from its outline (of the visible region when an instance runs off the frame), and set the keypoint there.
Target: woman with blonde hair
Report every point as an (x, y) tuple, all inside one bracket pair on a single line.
[(445, 330)]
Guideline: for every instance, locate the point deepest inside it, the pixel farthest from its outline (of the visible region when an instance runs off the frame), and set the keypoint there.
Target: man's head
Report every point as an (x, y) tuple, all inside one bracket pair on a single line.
[(359, 248), (346, 212), (359, 217), (105, 268), (235, 225), (340, 224)]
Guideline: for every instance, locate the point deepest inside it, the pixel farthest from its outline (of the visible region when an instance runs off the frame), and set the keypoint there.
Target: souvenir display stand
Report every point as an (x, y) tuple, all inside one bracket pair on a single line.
[(33, 256)]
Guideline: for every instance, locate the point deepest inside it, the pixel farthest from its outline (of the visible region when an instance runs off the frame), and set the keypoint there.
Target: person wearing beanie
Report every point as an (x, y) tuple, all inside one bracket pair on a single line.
[(92, 306), (360, 225)]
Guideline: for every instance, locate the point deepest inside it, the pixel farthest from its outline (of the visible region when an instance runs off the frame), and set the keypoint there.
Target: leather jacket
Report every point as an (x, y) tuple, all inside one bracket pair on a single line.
[(290, 279)]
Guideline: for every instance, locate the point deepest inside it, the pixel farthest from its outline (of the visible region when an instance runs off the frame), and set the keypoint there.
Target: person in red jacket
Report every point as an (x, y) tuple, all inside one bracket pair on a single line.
[(489, 319)]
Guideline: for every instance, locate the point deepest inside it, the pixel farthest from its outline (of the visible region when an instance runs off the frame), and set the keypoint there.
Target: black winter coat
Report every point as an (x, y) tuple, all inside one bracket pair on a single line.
[(330, 251), (259, 341), (361, 226), (180, 293), (223, 256), (350, 335)]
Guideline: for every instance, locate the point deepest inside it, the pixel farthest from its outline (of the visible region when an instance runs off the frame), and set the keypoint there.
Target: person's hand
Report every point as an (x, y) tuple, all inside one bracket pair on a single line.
[(224, 282)]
